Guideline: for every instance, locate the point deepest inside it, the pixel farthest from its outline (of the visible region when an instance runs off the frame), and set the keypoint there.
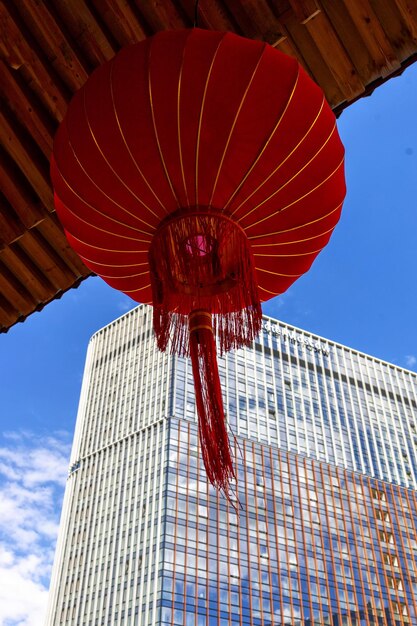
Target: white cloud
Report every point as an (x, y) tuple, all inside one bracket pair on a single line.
[(22, 598), (410, 360), (279, 302), (125, 304), (32, 478)]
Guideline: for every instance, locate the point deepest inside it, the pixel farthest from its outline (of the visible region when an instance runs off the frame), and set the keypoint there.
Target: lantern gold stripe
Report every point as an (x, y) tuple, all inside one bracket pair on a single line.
[(167, 176), (264, 147), (200, 119), (87, 119), (112, 200), (179, 126), (90, 245), (103, 230), (137, 289), (289, 255), (288, 243), (268, 291), (112, 265), (285, 160), (135, 163), (261, 269), (287, 230), (267, 217), (287, 182), (242, 101), (93, 208), (126, 276)]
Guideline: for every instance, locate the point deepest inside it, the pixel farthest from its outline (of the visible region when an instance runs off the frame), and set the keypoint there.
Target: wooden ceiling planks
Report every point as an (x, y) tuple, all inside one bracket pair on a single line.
[(48, 48), (19, 203), (51, 36)]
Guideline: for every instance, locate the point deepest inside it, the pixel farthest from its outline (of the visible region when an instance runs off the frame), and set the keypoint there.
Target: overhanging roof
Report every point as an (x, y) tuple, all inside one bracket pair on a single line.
[(47, 50)]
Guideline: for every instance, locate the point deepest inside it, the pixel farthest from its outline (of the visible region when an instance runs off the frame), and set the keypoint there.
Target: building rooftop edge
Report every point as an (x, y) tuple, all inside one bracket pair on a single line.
[(275, 320)]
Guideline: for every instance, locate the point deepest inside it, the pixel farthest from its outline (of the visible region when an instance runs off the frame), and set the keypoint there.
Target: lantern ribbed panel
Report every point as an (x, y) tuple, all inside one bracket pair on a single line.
[(198, 118)]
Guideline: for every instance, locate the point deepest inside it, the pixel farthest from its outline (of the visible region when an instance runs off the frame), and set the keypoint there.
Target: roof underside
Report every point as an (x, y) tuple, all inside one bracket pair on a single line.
[(48, 49)]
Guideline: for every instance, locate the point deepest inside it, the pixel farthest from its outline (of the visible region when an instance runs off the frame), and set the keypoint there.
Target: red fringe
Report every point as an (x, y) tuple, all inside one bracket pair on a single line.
[(204, 287), (214, 440), (203, 261)]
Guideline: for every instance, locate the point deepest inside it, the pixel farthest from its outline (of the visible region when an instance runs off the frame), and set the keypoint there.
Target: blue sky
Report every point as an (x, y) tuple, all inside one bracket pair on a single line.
[(360, 292)]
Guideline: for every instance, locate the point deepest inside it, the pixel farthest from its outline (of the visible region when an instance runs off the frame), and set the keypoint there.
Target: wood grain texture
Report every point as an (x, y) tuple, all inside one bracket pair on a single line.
[(48, 49)]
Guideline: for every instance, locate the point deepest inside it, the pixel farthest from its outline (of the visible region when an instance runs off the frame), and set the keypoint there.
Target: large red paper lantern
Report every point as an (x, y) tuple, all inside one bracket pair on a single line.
[(202, 173)]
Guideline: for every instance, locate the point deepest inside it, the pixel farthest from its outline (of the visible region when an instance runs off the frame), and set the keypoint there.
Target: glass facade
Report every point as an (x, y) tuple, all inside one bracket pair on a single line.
[(310, 544), (325, 447)]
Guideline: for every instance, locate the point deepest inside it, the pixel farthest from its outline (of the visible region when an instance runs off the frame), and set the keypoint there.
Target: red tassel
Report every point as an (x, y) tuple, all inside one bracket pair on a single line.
[(204, 286), (214, 440)]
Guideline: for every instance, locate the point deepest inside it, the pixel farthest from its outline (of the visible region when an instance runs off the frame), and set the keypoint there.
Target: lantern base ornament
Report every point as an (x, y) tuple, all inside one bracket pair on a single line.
[(204, 288)]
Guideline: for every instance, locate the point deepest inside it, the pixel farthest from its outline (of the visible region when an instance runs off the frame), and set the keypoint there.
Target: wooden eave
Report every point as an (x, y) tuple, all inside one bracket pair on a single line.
[(48, 48)]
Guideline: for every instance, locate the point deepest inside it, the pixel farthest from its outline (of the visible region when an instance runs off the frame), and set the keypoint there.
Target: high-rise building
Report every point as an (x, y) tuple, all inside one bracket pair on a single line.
[(325, 441)]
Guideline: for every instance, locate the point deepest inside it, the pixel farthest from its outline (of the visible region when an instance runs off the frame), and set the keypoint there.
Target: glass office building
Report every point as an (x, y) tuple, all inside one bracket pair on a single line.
[(325, 442)]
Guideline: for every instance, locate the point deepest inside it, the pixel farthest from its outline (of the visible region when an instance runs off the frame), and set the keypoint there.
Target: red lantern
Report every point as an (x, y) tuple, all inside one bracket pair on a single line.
[(200, 172)]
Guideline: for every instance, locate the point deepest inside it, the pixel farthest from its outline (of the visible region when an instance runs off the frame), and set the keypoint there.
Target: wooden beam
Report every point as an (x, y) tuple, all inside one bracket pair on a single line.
[(21, 103), (368, 32), (161, 15), (288, 46), (121, 20), (14, 292), (22, 267), (408, 11), (18, 147), (43, 256), (313, 59), (262, 18), (21, 52), (58, 48), (86, 32), (337, 61), (396, 27), (352, 40), (52, 232), (19, 194), (11, 228), (8, 314), (305, 10), (216, 15)]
